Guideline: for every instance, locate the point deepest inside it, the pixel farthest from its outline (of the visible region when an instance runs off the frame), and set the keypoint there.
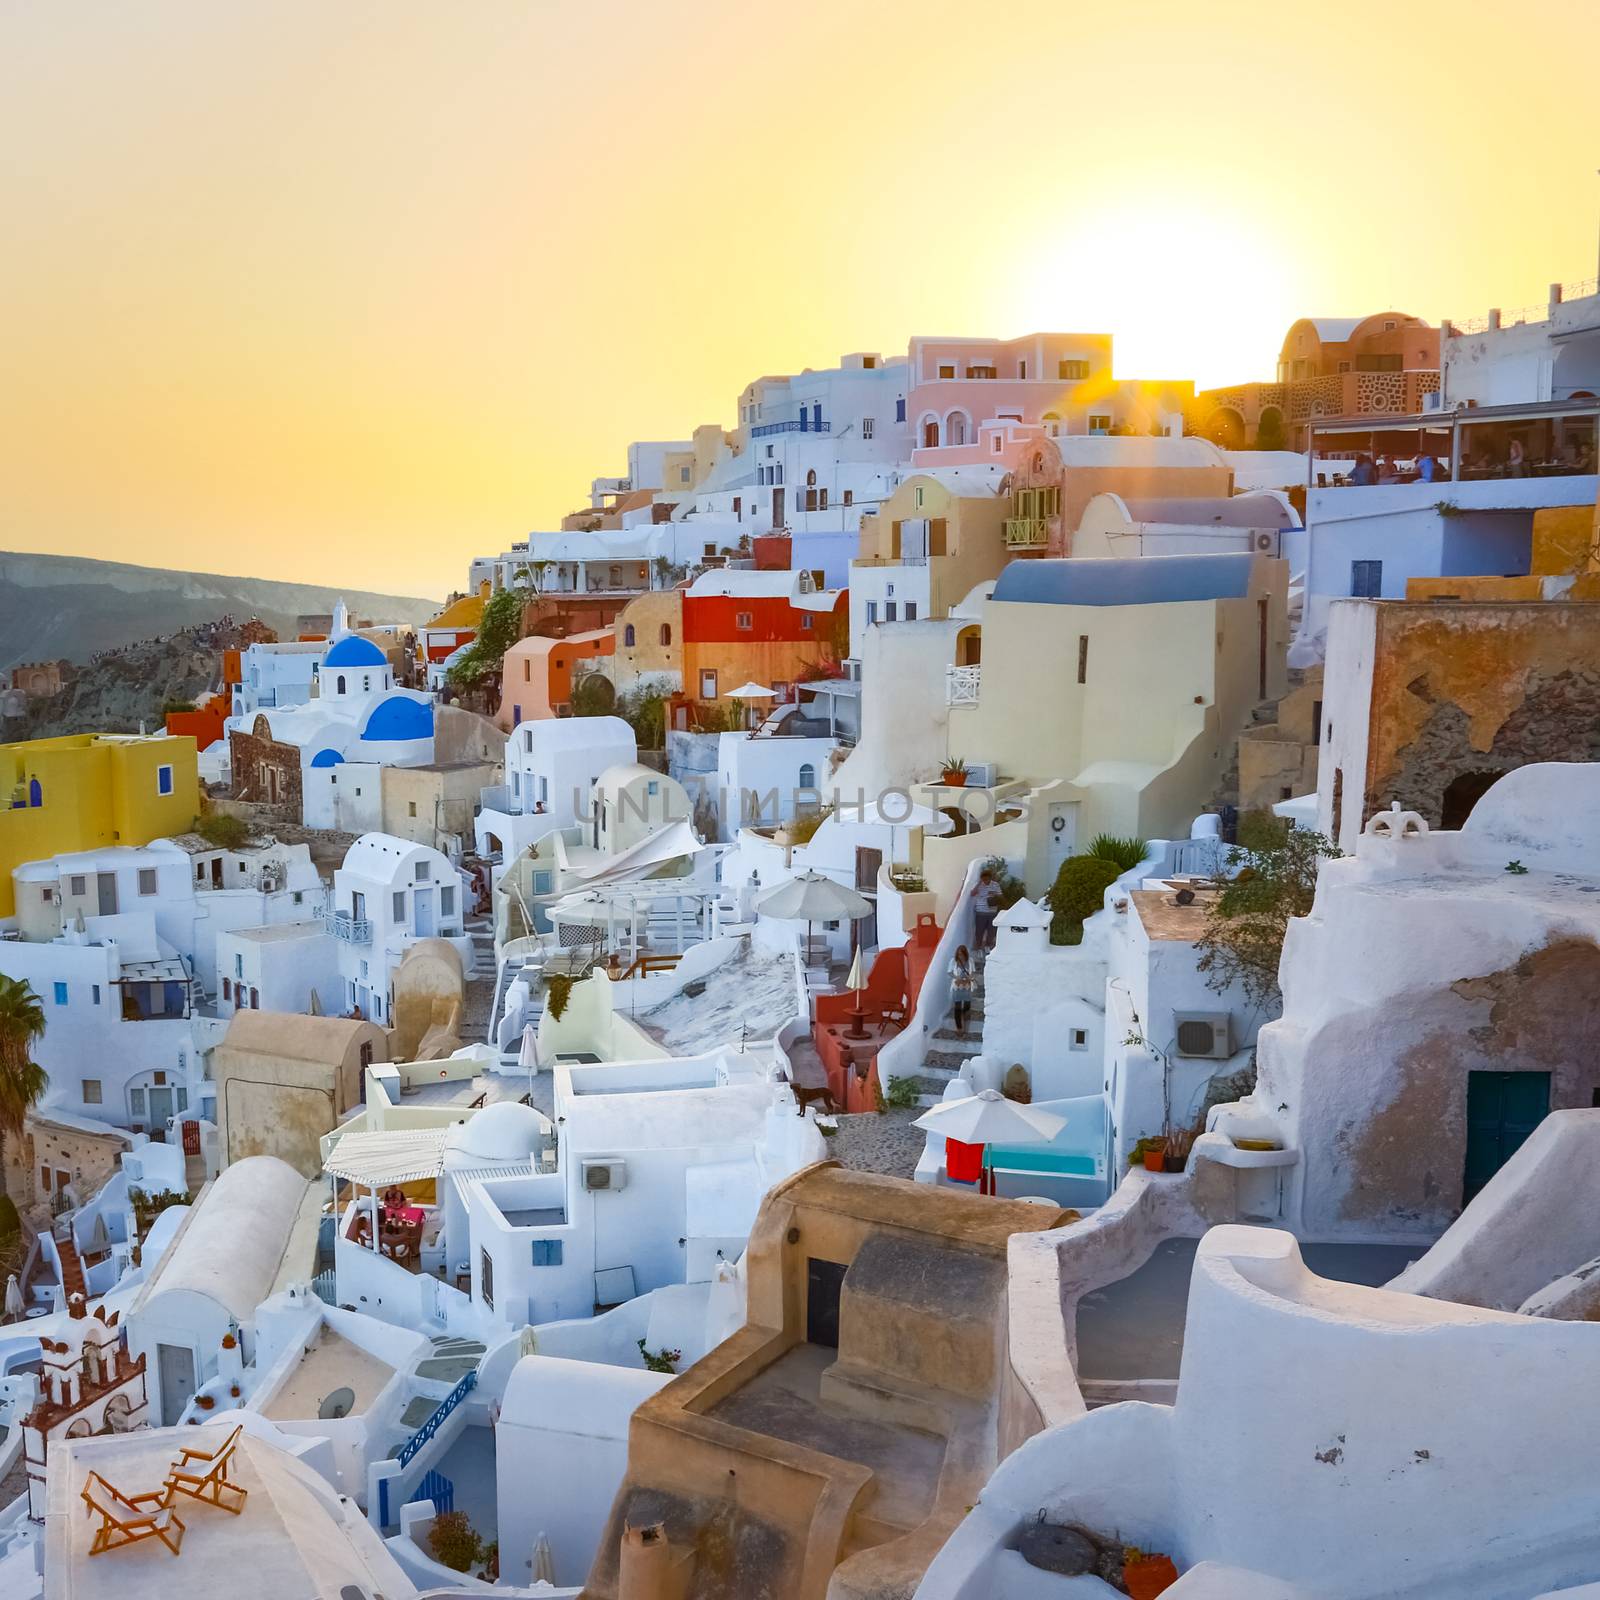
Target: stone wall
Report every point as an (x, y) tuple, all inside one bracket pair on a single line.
[(265, 771), (1464, 693)]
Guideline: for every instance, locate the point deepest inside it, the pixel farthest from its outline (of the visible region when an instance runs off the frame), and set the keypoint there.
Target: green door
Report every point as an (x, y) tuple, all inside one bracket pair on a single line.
[(1503, 1108)]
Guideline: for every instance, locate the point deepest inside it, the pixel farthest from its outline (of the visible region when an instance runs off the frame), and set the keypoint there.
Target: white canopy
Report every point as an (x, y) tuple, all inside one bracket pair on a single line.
[(989, 1118), (810, 897), (656, 849), (376, 1160)]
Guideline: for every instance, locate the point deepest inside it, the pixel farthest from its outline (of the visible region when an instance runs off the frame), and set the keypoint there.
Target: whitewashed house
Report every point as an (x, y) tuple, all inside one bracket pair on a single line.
[(388, 894)]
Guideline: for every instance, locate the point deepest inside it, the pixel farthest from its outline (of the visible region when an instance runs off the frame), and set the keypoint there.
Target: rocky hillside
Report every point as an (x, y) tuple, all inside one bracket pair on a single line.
[(69, 607)]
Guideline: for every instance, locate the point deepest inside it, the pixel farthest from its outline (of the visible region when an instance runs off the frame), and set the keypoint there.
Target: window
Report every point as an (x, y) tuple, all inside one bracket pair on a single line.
[(744, 621), (872, 612), (811, 478), (947, 369), (527, 670), (849, 497), (911, 610), (628, 637), (822, 496), (447, 902), (147, 880), (1080, 1039), (900, 409), (979, 371), (94, 991), (61, 994), (808, 776), (546, 1253), (1072, 371), (1099, 422), (807, 621), (891, 611), (136, 1102), (1366, 579), (338, 684), (399, 905), (486, 1277), (424, 871), (255, 998), (867, 425), (411, 808), (918, 496), (666, 633), (683, 474), (1083, 658), (238, 966), (1022, 370), (997, 443), (163, 780), (227, 988), (78, 883)]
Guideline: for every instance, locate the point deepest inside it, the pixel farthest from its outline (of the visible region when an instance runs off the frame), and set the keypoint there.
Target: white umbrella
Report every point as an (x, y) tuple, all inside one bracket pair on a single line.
[(809, 897), (544, 1561), (855, 980), (750, 691), (13, 1297), (987, 1117), (528, 1053)]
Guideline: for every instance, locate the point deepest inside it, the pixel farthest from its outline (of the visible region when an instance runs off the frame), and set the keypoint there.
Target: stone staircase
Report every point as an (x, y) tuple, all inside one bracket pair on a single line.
[(72, 1279), (948, 1051), (1226, 793)]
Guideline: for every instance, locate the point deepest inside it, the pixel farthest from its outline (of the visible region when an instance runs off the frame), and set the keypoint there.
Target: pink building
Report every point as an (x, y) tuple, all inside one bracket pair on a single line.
[(973, 400)]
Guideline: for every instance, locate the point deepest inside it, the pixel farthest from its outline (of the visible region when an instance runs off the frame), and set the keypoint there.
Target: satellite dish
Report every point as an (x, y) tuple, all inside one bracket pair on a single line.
[(1185, 897), (338, 1404)]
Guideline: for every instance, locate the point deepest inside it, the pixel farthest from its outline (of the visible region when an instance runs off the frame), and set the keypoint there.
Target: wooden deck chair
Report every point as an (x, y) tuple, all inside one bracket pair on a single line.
[(211, 1484), (128, 1518)]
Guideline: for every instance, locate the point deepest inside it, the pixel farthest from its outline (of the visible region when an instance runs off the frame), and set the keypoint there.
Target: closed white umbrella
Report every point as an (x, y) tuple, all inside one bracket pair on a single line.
[(544, 1561), (14, 1305), (528, 1052), (989, 1118)]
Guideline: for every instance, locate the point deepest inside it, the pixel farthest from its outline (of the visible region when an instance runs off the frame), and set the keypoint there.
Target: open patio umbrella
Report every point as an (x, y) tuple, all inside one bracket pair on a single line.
[(810, 897), (987, 1117), (750, 692)]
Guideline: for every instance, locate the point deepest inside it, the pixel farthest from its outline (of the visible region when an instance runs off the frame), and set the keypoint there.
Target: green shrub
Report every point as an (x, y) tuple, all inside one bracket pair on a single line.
[(1127, 853), (223, 829), (10, 1222), (453, 1542), (1078, 892), (1260, 832), (902, 1095)]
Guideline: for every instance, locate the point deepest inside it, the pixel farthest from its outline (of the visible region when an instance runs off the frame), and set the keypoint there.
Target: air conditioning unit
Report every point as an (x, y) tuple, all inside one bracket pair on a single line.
[(982, 775), (1267, 543), (607, 1175), (1203, 1033)]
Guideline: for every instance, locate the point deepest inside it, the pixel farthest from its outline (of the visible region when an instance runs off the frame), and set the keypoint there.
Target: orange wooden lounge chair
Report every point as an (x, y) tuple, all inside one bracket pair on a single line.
[(129, 1518), (212, 1484)]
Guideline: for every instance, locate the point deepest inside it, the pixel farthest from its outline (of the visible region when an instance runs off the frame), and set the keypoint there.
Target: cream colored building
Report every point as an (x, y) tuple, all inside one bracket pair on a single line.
[(434, 804), (1109, 699), (283, 1081)]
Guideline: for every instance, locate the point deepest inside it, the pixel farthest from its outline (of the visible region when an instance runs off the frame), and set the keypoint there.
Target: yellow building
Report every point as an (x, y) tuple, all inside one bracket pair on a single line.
[(91, 789)]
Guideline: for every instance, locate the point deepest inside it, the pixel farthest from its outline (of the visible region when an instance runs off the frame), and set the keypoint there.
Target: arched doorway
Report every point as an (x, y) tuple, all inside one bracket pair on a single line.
[(955, 428), (1269, 429), (1462, 793), (1225, 428), (930, 433)]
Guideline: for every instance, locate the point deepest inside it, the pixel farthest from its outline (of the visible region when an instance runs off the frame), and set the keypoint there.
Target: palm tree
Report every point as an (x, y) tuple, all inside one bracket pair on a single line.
[(22, 1080)]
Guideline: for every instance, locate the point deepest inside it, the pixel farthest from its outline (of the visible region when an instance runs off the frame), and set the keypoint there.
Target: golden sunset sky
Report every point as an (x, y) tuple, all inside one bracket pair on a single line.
[(351, 290)]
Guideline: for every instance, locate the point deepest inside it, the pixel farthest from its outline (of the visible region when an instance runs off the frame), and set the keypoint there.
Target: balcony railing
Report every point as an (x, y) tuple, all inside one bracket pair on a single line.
[(793, 425), (961, 685), (353, 930), (1027, 533)]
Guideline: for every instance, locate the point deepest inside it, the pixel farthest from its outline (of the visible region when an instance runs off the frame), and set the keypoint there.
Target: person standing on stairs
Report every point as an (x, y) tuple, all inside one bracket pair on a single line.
[(962, 983)]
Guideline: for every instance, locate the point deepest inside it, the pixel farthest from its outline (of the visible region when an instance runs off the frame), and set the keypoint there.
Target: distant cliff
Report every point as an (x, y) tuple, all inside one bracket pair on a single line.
[(68, 606)]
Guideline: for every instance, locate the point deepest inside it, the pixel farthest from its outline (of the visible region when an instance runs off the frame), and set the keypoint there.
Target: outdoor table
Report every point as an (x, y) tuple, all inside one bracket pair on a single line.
[(412, 1216)]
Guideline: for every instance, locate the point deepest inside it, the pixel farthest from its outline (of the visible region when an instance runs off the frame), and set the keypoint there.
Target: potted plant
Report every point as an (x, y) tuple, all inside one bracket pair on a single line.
[(1179, 1142), (1150, 1153), (953, 774), (1146, 1576)]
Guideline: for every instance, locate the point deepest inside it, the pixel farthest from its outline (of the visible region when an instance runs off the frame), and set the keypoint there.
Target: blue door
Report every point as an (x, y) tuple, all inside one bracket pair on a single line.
[(1503, 1108)]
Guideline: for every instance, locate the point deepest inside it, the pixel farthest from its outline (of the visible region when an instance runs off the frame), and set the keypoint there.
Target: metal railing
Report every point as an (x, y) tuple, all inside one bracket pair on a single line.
[(1026, 533), (961, 685), (353, 930), (407, 1452), (793, 425)]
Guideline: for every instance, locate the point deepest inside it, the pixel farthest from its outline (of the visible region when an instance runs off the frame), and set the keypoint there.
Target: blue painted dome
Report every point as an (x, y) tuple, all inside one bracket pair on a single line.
[(400, 718), (354, 651), (327, 758)]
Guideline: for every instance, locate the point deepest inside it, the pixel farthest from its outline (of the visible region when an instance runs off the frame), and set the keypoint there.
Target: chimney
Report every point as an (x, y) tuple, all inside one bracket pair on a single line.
[(649, 1568)]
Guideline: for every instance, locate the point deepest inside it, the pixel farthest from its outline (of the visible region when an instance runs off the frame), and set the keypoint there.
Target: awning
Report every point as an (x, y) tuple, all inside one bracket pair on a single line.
[(172, 971), (666, 844), (376, 1160)]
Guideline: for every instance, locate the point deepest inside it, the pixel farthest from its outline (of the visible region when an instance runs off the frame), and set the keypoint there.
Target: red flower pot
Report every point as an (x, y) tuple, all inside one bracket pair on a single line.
[(1155, 1160)]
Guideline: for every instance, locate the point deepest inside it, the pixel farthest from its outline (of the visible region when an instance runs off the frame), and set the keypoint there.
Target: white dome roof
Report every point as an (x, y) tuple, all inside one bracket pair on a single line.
[(506, 1131)]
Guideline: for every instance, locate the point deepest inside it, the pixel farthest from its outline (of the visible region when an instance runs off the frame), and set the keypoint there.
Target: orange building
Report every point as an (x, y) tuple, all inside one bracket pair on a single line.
[(537, 673), (203, 725)]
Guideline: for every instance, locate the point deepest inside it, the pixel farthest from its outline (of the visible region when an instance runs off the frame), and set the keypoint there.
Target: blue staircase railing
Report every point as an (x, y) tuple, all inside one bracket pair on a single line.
[(423, 1434), (437, 1488)]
